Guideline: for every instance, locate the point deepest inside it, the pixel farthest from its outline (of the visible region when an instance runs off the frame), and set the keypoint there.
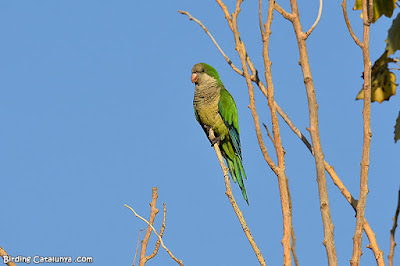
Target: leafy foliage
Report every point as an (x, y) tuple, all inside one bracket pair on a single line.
[(383, 81), (397, 129), (393, 39), (381, 7)]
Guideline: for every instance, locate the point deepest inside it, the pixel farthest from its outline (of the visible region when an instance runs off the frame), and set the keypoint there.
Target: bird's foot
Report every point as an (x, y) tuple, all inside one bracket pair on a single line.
[(215, 140)]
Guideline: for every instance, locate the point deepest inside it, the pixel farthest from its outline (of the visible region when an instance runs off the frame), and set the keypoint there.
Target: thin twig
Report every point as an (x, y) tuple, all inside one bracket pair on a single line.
[(212, 38), (161, 234), (232, 200), (393, 231), (296, 261), (137, 247), (346, 18), (3, 254), (159, 237), (269, 135), (316, 21)]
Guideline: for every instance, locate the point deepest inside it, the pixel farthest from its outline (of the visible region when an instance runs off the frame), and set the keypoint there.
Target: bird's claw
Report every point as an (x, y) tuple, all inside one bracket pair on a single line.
[(215, 140), (211, 137)]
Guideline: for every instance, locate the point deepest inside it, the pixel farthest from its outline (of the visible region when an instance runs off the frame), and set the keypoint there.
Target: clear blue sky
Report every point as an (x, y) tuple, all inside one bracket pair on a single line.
[(96, 109)]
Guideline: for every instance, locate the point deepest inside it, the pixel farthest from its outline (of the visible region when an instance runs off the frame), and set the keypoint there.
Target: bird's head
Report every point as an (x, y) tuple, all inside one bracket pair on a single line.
[(203, 73)]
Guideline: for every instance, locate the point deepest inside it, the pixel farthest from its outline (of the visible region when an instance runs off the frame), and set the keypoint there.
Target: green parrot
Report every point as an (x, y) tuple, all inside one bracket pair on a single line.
[(215, 109)]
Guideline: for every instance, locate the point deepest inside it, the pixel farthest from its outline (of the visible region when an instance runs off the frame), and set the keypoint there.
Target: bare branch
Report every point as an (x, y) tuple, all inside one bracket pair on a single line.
[(161, 234), (393, 231), (269, 135), (357, 239), (283, 12), (316, 21), (232, 200), (145, 241), (159, 237), (137, 247), (346, 18), (3, 254), (212, 38), (353, 202), (226, 12), (260, 20), (296, 261), (336, 180), (286, 203), (329, 240)]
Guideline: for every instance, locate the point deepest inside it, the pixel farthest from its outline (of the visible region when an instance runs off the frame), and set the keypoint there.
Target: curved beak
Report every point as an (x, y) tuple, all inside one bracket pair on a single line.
[(194, 78)]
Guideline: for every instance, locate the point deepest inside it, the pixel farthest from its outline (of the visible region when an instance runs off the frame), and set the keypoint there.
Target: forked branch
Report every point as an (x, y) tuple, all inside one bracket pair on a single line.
[(288, 232), (346, 19), (153, 213), (159, 241), (316, 21)]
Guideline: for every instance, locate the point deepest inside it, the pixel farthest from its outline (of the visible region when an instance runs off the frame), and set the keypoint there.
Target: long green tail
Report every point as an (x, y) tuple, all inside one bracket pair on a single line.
[(237, 172)]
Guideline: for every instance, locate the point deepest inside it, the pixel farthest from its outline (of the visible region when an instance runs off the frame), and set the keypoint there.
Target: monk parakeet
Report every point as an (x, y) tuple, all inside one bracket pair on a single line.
[(215, 109)]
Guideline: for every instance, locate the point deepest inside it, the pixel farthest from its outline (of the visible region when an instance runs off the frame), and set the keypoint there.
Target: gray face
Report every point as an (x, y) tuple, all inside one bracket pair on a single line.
[(199, 76)]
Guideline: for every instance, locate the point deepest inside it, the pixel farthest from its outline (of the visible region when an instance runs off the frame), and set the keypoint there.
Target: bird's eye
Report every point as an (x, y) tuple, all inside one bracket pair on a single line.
[(202, 70)]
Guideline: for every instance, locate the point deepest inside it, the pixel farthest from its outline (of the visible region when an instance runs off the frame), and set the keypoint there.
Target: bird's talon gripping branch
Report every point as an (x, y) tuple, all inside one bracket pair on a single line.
[(215, 140)]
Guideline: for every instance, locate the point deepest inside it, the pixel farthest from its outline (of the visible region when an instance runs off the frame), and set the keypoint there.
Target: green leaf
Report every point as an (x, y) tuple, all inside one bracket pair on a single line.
[(383, 81), (397, 129), (381, 7), (393, 39)]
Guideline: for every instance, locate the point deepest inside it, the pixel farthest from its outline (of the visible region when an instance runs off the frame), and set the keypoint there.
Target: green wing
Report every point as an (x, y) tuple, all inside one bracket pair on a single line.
[(231, 146), (228, 112)]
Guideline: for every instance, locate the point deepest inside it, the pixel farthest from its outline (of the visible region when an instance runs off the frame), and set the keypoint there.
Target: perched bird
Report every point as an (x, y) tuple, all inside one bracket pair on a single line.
[(215, 109)]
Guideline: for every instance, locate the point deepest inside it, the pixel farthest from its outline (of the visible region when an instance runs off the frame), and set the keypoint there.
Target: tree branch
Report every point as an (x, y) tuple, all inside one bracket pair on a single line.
[(158, 240), (154, 230), (212, 38), (137, 246), (3, 254), (283, 12), (357, 239), (316, 21), (282, 179), (232, 200), (393, 231), (346, 18), (145, 241), (329, 241)]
